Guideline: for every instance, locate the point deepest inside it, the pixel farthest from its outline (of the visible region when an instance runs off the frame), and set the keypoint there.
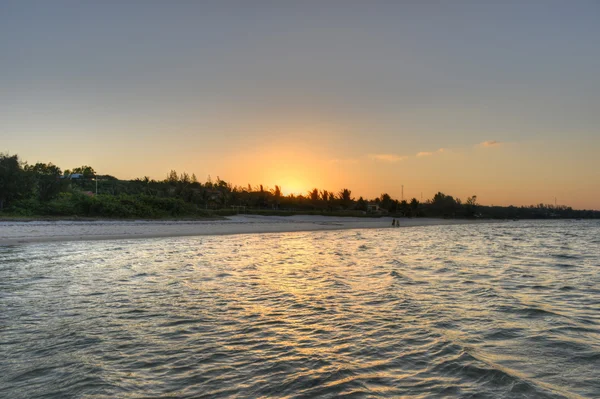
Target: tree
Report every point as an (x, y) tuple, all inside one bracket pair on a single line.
[(13, 182), (404, 208), (471, 206), (46, 179), (172, 177), (87, 171), (438, 198), (185, 178), (472, 201), (345, 197), (361, 204), (444, 205), (276, 192), (324, 195), (385, 201), (414, 207), (394, 206), (314, 195), (222, 184)]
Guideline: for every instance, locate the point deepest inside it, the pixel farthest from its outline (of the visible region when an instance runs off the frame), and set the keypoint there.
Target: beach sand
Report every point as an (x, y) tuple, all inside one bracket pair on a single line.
[(15, 232)]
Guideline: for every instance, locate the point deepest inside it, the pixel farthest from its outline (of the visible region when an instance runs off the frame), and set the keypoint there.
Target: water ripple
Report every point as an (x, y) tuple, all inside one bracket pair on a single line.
[(500, 310)]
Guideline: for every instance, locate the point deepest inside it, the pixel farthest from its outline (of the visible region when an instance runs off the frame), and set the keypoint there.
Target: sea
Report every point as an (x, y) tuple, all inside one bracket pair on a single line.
[(498, 310)]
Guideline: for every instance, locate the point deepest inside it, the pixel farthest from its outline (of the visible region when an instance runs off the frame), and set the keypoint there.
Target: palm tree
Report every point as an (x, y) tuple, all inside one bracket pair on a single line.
[(314, 195), (345, 197), (276, 192), (324, 195)]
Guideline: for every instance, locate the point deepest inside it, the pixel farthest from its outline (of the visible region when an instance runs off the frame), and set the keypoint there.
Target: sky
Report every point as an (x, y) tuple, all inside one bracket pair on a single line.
[(495, 99)]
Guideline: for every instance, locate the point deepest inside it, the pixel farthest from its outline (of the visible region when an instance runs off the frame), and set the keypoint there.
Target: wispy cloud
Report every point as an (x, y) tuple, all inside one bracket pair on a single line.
[(386, 157), (430, 153), (345, 161), (490, 143)]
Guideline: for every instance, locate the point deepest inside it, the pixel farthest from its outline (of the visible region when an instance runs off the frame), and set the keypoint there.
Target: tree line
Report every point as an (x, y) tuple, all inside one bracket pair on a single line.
[(43, 189)]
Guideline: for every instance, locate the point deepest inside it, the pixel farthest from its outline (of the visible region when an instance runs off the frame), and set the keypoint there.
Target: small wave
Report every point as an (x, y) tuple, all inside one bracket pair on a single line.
[(399, 275), (565, 256), (181, 322), (567, 288), (529, 311), (487, 292), (291, 316), (564, 265), (539, 287), (503, 334), (396, 262), (491, 377)]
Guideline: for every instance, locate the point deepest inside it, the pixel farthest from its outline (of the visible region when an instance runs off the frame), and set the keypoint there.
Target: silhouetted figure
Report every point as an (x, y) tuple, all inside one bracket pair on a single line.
[(398, 223), (393, 222)]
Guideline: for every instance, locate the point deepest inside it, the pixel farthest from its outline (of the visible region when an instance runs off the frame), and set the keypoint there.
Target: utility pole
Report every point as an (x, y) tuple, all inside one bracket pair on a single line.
[(403, 192)]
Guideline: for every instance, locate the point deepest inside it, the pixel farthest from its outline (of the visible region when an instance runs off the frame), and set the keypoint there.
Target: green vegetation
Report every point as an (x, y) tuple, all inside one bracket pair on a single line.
[(43, 190)]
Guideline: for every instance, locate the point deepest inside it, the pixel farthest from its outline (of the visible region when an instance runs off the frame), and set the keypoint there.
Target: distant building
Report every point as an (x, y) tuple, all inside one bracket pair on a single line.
[(73, 176), (373, 207)]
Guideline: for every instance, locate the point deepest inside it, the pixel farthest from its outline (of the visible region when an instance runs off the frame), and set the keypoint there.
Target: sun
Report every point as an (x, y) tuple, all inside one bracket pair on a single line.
[(292, 185), (294, 171)]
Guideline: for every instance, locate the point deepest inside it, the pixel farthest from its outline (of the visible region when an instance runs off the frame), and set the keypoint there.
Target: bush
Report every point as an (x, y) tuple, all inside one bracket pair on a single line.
[(26, 207), (66, 204)]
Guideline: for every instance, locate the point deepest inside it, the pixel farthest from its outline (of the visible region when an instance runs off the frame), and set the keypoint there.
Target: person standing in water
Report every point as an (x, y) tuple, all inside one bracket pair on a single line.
[(393, 222)]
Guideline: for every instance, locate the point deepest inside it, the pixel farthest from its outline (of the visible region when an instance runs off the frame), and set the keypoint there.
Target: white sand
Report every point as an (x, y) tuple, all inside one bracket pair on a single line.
[(12, 233)]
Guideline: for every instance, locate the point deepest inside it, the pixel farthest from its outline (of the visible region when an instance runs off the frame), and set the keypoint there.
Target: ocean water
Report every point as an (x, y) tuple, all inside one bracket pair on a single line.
[(489, 310)]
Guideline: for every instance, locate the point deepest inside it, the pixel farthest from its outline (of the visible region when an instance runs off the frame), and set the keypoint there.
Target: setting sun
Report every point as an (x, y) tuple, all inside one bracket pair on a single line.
[(293, 185)]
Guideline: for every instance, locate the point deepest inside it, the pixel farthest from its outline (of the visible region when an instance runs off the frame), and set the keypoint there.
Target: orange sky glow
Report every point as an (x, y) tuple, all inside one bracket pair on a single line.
[(496, 100)]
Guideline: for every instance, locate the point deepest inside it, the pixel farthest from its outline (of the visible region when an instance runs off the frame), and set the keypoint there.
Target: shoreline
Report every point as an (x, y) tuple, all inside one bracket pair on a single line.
[(44, 231)]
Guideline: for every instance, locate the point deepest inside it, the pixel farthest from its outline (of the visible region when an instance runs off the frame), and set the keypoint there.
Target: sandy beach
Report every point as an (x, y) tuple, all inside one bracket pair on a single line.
[(16, 232)]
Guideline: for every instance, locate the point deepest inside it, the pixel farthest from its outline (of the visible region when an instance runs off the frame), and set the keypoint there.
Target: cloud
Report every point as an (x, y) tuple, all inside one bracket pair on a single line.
[(490, 143), (386, 157), (430, 153), (346, 161)]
